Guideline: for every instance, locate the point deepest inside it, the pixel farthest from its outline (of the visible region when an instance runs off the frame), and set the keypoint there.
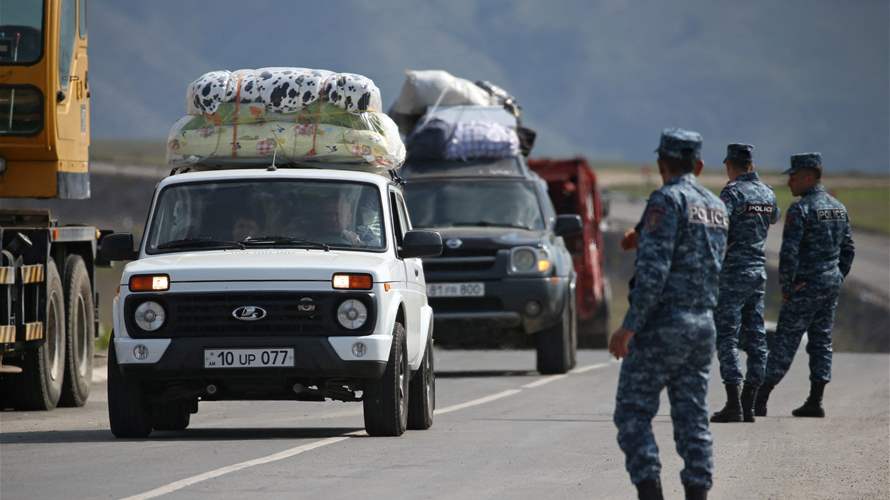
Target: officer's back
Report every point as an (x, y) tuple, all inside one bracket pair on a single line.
[(751, 206), (824, 224), (682, 243), (699, 244)]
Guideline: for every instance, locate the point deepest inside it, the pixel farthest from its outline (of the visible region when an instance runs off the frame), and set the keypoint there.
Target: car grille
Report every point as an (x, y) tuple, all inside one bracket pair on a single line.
[(446, 264), (211, 314)]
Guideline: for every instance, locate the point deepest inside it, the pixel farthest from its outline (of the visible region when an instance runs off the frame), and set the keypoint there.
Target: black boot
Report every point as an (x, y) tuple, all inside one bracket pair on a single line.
[(732, 412), (749, 393), (812, 407), (649, 489), (694, 492), (760, 400)]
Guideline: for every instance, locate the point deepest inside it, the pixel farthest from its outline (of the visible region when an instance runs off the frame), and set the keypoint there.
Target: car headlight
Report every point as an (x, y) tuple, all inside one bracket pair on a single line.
[(529, 260), (352, 314), (149, 316), (523, 260)]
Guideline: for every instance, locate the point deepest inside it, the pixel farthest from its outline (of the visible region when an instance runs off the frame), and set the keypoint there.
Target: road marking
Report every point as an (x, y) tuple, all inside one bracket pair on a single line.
[(182, 483), (189, 481), (545, 380), (476, 402), (585, 369)]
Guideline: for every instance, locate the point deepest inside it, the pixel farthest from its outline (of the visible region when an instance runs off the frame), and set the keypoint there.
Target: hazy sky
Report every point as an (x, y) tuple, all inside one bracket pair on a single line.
[(599, 78)]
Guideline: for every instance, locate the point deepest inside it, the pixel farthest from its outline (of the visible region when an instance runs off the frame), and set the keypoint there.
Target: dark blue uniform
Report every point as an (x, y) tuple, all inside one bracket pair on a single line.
[(817, 253), (751, 206), (682, 239)]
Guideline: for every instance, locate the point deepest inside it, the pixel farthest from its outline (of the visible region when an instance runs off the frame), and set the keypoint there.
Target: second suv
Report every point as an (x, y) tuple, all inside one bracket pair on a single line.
[(504, 264)]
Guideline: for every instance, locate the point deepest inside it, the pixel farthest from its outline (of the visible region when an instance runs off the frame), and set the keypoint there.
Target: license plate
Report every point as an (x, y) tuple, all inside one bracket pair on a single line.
[(248, 358), (455, 289)]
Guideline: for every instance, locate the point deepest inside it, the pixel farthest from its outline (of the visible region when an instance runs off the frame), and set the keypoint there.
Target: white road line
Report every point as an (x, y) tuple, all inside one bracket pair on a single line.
[(545, 380), (584, 369), (476, 402), (182, 483)]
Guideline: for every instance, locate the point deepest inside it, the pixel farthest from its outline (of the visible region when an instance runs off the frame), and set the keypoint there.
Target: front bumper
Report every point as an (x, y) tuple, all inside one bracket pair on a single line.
[(315, 358), (506, 304)]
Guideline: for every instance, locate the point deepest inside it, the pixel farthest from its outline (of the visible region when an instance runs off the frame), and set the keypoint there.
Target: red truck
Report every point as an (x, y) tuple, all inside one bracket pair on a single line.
[(573, 189)]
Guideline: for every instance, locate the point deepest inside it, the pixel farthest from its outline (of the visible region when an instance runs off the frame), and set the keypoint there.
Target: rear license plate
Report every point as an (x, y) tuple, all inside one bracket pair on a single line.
[(455, 289), (248, 358)]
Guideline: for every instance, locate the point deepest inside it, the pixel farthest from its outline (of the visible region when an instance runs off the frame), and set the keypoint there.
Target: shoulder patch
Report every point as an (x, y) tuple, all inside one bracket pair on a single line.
[(653, 217)]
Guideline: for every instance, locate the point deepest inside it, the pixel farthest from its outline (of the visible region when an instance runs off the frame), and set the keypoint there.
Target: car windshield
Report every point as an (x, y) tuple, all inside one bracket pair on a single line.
[(21, 32), (472, 202), (243, 214)]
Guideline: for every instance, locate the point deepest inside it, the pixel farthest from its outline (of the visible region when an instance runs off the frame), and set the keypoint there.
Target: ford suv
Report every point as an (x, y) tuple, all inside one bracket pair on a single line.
[(504, 265)]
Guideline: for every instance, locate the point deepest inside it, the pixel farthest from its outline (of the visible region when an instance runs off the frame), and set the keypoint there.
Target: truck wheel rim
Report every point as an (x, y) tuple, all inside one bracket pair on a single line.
[(80, 343), (54, 340)]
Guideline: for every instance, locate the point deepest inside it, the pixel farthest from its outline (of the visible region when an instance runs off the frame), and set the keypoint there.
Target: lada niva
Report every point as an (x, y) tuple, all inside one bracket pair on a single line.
[(273, 284)]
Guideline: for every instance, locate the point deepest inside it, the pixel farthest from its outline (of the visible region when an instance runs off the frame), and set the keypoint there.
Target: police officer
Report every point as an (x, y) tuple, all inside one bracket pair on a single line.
[(817, 253), (751, 206), (667, 337)]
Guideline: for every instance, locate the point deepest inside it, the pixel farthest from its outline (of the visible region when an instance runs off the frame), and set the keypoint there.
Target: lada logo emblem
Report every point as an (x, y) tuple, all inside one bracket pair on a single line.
[(249, 313), (454, 243), (306, 305)]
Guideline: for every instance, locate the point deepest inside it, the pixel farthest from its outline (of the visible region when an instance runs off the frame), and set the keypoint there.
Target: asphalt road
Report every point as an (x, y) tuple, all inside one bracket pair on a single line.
[(501, 431)]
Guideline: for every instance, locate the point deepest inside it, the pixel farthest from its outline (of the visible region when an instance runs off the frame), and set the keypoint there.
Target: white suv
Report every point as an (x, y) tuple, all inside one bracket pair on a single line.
[(272, 284)]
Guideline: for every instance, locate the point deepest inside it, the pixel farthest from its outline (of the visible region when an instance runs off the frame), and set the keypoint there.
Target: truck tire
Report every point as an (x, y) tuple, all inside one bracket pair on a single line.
[(128, 410), (422, 394), (555, 344), (39, 386), (172, 416), (594, 332), (81, 330), (385, 400)]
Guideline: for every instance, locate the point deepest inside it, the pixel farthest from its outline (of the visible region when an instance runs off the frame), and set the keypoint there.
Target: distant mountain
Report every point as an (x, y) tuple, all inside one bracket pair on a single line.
[(599, 78)]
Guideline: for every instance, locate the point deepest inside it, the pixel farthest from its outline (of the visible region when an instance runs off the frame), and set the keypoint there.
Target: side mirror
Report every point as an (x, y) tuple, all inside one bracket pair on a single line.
[(421, 244), (118, 246), (568, 224)]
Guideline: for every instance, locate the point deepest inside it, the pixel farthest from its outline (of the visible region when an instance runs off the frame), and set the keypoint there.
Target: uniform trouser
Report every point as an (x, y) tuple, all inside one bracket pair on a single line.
[(811, 311), (673, 351), (739, 321)]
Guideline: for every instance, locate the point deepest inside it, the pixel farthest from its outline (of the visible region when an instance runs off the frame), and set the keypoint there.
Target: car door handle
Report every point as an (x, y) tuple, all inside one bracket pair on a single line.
[(416, 272)]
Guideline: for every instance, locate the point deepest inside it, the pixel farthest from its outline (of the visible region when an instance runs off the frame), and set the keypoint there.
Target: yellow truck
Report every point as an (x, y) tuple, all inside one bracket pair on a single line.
[(48, 318)]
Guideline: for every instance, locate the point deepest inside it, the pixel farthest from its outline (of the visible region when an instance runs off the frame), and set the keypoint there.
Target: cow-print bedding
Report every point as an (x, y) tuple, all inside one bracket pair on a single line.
[(283, 90)]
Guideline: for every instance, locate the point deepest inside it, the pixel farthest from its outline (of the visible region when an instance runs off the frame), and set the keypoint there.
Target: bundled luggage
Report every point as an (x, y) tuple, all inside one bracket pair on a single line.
[(448, 118), (289, 114)]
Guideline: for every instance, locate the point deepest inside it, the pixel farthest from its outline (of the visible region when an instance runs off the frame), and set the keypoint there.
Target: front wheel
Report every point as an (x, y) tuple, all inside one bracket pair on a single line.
[(594, 332), (172, 416), (385, 400), (422, 400), (128, 410), (556, 345)]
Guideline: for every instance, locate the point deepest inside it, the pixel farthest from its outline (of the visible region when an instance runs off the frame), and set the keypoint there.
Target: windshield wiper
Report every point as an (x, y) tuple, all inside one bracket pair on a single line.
[(199, 243), (284, 241), (486, 223)]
